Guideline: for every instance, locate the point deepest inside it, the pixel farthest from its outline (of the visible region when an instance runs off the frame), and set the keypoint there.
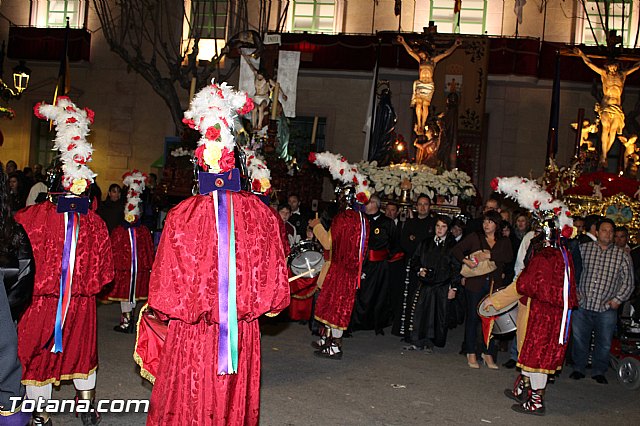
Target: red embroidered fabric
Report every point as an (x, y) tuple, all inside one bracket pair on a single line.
[(121, 248), (542, 281), (184, 288), (336, 299), (93, 269)]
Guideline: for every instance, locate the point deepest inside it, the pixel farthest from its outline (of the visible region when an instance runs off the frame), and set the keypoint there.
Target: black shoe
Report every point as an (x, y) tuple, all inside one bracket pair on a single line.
[(519, 399), (124, 328), (576, 375), (600, 379), (509, 364)]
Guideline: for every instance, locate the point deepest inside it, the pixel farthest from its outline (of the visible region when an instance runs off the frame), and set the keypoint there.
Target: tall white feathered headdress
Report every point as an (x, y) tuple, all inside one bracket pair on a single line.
[(136, 181), (72, 128), (212, 112), (528, 194), (344, 172)]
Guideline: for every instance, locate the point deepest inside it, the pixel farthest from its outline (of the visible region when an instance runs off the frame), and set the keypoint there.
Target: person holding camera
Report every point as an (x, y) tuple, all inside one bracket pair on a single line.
[(437, 275)]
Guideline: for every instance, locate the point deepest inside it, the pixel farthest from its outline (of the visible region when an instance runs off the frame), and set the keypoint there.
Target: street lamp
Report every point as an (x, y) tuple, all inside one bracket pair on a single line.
[(21, 76)]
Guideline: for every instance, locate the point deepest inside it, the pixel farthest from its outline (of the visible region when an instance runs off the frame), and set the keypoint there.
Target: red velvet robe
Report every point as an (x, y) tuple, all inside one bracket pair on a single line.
[(336, 299), (93, 269), (121, 247), (542, 282), (184, 288)]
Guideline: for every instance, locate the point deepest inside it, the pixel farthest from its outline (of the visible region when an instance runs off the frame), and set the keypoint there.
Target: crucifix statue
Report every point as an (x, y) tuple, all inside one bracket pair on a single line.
[(424, 87), (609, 109)]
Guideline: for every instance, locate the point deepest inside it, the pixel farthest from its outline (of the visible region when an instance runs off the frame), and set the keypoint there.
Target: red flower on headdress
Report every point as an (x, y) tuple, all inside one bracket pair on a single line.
[(362, 197), (213, 133), (568, 213), (536, 204), (247, 107), (79, 159), (567, 231), (131, 206), (199, 153), (227, 160), (36, 111), (341, 171), (76, 138), (355, 180), (69, 108), (71, 120), (255, 185), (312, 157), (494, 183), (62, 98), (365, 183), (189, 122), (557, 211), (71, 146)]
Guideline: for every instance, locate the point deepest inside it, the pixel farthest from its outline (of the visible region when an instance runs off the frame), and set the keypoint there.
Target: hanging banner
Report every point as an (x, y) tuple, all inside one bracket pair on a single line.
[(288, 65)]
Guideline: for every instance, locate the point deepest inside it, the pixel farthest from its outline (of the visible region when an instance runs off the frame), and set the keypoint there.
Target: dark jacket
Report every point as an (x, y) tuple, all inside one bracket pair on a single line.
[(18, 267)]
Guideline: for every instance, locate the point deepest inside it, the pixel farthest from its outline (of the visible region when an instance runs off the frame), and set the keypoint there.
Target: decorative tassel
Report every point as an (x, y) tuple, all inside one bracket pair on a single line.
[(134, 266), (72, 230), (227, 310)]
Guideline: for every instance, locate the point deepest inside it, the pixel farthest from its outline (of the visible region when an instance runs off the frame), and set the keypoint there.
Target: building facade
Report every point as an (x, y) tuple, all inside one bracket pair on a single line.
[(132, 121)]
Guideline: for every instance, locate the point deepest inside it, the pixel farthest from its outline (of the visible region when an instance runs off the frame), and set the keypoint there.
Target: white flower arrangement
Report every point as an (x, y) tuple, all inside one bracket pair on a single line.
[(259, 173), (72, 128), (344, 172), (424, 180), (136, 182)]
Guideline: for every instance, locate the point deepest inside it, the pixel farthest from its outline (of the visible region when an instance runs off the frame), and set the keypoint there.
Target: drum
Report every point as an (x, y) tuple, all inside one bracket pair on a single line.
[(504, 319), (304, 256)]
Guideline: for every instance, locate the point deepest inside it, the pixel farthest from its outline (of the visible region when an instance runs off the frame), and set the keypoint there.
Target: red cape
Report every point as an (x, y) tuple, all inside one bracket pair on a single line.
[(93, 269), (184, 288), (121, 247), (542, 282), (336, 299)]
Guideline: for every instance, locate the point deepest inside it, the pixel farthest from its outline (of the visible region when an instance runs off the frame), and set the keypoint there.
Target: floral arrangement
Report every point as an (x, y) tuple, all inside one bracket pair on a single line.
[(72, 128), (531, 196), (344, 172), (212, 112), (259, 174), (424, 180), (136, 181)]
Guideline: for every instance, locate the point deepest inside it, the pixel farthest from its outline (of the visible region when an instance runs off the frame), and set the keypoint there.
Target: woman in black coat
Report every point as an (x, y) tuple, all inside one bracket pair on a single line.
[(16, 287), (436, 277)]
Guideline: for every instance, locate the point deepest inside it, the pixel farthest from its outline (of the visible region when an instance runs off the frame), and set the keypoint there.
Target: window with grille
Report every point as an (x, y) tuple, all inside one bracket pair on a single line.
[(619, 18), (59, 10), (471, 20), (314, 16), (209, 18)]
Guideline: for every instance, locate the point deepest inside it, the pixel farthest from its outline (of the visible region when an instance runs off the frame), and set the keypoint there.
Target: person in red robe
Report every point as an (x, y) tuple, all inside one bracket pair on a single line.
[(71, 246), (220, 265), (347, 239), (132, 247), (547, 294)]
